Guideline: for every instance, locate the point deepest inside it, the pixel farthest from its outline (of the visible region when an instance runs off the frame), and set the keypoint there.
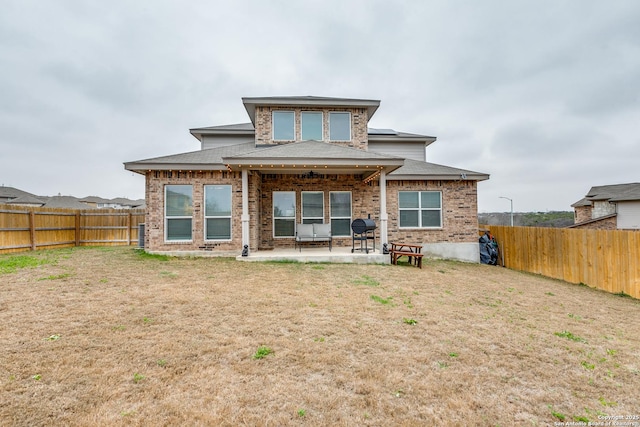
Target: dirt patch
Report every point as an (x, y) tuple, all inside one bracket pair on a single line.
[(103, 336)]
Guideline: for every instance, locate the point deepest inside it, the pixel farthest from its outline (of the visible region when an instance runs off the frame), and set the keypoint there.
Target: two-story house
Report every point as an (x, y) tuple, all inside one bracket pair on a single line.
[(609, 207), (304, 160)]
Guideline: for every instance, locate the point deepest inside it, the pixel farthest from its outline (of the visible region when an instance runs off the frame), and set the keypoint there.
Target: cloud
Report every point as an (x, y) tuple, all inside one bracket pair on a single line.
[(542, 98)]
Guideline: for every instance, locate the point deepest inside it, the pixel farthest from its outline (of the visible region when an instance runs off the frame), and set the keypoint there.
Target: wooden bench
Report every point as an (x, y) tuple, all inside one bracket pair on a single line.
[(413, 252)]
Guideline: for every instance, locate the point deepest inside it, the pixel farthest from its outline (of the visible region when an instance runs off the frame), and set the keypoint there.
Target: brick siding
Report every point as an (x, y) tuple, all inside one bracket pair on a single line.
[(459, 212), (154, 230), (459, 204), (359, 120), (582, 213), (610, 223)]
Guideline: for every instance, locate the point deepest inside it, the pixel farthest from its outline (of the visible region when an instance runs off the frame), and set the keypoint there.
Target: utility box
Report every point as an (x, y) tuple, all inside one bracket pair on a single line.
[(141, 235)]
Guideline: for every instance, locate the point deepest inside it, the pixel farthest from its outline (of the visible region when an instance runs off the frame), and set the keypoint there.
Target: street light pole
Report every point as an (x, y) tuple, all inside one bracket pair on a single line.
[(511, 201)]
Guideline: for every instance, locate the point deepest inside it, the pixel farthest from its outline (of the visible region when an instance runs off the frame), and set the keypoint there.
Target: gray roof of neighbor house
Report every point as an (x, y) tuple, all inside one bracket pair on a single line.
[(26, 200), (12, 193), (93, 199), (250, 103), (67, 202), (615, 193), (582, 202)]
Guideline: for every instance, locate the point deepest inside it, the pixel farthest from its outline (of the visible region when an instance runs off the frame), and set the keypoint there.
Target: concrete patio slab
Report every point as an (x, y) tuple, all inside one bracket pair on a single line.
[(336, 255)]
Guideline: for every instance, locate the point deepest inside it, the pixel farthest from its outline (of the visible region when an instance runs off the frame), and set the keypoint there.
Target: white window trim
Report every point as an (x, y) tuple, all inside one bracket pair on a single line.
[(420, 209), (204, 213), (167, 218), (302, 217), (273, 215), (302, 113), (273, 125), (350, 133), (341, 217)]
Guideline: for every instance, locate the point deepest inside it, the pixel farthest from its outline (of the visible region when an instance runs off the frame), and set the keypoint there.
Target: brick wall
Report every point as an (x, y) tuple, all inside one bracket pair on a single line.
[(154, 230), (459, 202), (459, 212), (359, 121), (582, 213), (603, 224), (365, 199)]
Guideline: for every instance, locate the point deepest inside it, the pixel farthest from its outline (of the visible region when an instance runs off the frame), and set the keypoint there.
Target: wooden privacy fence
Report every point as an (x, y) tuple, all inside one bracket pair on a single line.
[(23, 229), (604, 259)]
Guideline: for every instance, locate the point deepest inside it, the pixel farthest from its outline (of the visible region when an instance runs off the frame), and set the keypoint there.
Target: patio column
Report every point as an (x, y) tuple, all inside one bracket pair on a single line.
[(245, 212), (383, 209)]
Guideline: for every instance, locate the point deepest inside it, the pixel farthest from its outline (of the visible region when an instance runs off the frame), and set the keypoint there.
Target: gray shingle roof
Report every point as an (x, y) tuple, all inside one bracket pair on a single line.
[(67, 202), (310, 150), (209, 159), (414, 169), (615, 193), (250, 103), (26, 200), (582, 202), (12, 193)]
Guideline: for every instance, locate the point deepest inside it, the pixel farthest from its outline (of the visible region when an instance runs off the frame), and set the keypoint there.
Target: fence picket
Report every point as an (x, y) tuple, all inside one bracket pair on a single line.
[(40, 228), (604, 259)]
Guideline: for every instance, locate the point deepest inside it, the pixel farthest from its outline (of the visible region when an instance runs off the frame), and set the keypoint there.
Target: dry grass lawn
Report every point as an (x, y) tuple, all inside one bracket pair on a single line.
[(106, 336)]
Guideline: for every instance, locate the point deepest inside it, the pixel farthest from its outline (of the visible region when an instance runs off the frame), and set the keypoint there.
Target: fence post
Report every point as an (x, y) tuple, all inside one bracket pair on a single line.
[(129, 220), (32, 229), (77, 228)]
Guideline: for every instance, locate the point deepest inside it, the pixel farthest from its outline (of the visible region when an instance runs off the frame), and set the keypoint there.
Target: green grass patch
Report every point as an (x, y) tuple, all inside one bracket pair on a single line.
[(381, 300), (56, 276), (366, 281), (262, 352), (12, 263), (622, 294), (568, 335), (138, 377), (142, 254), (409, 321)]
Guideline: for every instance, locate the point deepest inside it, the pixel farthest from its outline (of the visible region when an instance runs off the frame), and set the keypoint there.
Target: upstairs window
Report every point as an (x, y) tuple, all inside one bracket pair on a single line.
[(312, 125), (340, 126), (283, 126), (420, 209), (178, 212)]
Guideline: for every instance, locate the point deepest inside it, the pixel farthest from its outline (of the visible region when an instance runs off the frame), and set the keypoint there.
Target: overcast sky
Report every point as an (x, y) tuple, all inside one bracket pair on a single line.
[(543, 95)]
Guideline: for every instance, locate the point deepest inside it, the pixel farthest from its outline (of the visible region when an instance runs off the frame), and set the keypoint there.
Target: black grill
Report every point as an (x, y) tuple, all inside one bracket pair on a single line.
[(363, 231)]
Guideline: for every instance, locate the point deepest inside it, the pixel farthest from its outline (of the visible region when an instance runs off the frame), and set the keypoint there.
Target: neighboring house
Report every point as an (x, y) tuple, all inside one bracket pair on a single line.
[(609, 207), (31, 201), (7, 194), (117, 203), (304, 160), (65, 202)]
